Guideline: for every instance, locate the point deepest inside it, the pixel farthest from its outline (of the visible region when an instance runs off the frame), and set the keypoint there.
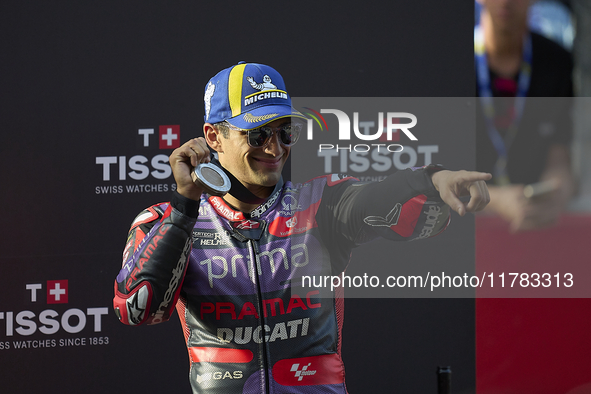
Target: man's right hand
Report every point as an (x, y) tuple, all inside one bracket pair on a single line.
[(182, 162)]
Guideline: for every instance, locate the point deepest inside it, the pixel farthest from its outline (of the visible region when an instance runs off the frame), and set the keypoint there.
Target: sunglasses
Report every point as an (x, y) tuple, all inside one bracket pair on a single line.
[(260, 137)]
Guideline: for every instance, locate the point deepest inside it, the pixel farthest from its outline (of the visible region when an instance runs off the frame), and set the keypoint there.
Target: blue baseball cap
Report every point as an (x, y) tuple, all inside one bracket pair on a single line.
[(247, 95)]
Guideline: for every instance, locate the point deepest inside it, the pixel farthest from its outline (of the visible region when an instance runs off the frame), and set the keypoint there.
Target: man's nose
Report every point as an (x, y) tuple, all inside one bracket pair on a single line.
[(274, 147)]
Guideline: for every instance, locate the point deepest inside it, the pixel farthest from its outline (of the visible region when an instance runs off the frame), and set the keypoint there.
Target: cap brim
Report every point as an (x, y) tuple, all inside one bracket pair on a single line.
[(261, 116)]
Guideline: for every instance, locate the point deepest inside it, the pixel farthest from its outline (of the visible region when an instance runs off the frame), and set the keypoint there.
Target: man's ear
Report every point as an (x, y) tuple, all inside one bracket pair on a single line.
[(213, 137)]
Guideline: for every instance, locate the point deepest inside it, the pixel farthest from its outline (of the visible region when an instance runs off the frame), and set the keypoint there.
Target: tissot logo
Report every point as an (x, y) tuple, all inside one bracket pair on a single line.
[(129, 166), (169, 137), (47, 317)]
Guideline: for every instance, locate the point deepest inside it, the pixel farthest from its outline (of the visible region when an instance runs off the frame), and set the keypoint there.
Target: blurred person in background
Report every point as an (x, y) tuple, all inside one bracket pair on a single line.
[(524, 143)]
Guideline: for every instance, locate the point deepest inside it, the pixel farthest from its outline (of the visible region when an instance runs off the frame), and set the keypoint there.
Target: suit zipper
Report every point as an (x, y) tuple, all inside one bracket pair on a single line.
[(255, 265)]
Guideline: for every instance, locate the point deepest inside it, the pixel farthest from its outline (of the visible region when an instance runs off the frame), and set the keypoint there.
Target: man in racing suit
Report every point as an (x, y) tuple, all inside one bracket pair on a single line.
[(233, 266)]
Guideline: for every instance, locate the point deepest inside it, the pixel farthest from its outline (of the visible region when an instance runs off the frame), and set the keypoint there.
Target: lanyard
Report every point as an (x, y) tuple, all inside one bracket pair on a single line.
[(501, 144)]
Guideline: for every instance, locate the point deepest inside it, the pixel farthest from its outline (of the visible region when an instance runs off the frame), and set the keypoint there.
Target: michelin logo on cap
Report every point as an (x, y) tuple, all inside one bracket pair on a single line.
[(266, 85), (247, 95), (253, 98)]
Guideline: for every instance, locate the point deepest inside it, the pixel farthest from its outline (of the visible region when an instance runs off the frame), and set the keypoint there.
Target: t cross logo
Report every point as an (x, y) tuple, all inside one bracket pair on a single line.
[(169, 137), (57, 291)]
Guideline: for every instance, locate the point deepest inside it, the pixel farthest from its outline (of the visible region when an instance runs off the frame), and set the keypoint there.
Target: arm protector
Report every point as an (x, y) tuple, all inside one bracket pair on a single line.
[(404, 206), (159, 242)]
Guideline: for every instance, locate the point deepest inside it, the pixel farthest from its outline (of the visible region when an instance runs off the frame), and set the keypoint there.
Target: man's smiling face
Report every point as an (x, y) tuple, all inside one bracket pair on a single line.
[(256, 168)]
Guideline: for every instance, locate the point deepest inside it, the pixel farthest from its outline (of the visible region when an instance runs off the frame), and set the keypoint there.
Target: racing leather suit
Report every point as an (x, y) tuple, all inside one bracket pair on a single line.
[(251, 322)]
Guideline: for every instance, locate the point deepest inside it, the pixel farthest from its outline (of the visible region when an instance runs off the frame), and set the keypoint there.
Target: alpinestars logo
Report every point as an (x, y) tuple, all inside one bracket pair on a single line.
[(390, 220), (300, 373), (136, 305), (246, 225), (432, 218), (177, 273)]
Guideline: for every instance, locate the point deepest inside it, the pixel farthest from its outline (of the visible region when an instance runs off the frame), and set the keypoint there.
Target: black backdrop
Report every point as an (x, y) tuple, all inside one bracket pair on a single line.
[(78, 79)]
